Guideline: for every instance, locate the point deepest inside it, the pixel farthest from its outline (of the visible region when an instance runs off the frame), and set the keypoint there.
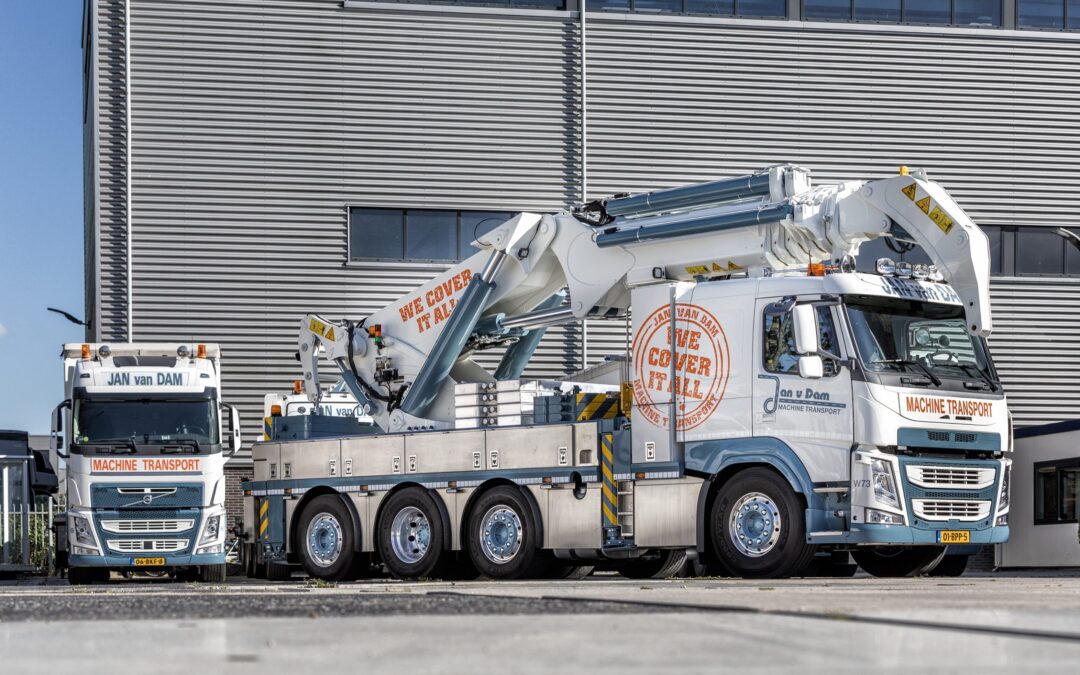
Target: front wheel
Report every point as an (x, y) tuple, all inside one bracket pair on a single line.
[(327, 545), (758, 526), (950, 566), (898, 561), (212, 574)]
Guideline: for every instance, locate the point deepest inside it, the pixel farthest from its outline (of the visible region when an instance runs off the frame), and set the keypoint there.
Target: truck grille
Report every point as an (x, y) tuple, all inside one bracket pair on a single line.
[(147, 545), (152, 496), (948, 477), (146, 526), (958, 509)]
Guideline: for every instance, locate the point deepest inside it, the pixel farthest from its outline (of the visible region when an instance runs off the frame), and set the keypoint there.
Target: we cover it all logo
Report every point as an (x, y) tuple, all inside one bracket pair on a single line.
[(702, 366)]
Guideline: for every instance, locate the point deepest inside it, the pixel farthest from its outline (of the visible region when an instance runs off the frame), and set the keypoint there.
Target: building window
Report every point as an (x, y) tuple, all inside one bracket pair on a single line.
[(934, 12), (1048, 14), (768, 9), (421, 235), (1057, 485)]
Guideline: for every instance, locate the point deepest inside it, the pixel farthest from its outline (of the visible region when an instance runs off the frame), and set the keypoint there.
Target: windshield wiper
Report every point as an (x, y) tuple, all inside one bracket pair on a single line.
[(194, 443), (129, 445), (909, 362), (968, 368)]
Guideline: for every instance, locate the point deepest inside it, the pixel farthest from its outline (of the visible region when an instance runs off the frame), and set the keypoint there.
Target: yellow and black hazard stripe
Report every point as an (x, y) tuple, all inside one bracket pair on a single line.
[(268, 422), (609, 503), (596, 407), (264, 517)]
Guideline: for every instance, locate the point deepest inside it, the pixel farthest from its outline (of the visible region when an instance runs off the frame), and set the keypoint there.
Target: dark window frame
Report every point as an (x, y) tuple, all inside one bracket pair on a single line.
[(831, 368), (460, 244), (736, 12), (904, 21), (1058, 465), (1064, 20)]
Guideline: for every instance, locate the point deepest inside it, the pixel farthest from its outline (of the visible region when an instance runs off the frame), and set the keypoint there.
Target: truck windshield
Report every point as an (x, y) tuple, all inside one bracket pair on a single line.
[(146, 421), (921, 338)]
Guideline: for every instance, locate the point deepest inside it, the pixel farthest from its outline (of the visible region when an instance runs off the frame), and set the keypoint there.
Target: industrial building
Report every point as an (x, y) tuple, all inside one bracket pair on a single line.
[(248, 161)]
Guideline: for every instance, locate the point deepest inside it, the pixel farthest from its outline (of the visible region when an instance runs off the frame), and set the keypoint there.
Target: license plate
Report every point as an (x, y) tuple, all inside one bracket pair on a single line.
[(148, 562), (954, 537)]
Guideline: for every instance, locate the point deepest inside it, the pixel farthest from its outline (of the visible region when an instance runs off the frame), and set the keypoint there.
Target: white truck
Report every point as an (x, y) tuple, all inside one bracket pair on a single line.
[(335, 402), (143, 436), (779, 407)]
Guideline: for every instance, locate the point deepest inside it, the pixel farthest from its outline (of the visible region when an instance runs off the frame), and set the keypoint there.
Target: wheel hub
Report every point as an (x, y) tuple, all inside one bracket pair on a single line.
[(500, 534), (324, 539), (754, 524), (410, 535)]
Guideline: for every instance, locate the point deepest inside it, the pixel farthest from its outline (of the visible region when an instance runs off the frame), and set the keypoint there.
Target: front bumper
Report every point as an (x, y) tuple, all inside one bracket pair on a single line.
[(127, 562)]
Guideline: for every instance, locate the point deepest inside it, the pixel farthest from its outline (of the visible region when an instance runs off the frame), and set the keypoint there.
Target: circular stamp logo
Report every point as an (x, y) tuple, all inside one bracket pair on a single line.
[(702, 366)]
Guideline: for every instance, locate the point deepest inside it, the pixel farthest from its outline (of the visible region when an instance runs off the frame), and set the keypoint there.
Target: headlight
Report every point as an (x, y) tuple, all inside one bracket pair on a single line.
[(1002, 520), (216, 548), (884, 485), (210, 532), (1003, 498), (873, 516), (83, 534)]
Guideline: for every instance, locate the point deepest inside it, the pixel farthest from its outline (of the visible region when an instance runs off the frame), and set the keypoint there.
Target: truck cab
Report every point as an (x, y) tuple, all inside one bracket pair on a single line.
[(144, 438)]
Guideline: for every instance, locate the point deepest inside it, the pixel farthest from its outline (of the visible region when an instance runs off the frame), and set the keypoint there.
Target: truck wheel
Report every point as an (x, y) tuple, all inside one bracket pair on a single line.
[(758, 527), (325, 537), (212, 574), (411, 534), (898, 561), (503, 539), (277, 571), (556, 568), (950, 566), (658, 564)]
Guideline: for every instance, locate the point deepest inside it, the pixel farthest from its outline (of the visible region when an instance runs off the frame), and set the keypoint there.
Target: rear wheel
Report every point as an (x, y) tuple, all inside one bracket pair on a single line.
[(898, 561), (758, 527), (277, 571), (504, 539), (656, 564), (411, 534), (212, 574), (327, 538), (950, 566)]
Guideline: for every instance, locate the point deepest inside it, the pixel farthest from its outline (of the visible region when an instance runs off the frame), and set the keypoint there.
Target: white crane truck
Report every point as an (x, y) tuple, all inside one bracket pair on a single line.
[(778, 404), (141, 436)]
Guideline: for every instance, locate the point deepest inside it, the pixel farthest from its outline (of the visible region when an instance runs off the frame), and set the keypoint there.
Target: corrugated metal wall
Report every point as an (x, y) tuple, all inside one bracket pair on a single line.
[(256, 122)]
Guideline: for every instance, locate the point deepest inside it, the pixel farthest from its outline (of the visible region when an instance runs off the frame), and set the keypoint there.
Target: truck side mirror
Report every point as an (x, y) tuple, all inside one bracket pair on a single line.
[(805, 329), (234, 429), (811, 367), (58, 428)]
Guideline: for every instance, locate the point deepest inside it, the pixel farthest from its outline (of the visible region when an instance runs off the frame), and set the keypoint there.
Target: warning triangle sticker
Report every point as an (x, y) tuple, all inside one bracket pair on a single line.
[(732, 266), (924, 204), (909, 191), (330, 334), (717, 268)]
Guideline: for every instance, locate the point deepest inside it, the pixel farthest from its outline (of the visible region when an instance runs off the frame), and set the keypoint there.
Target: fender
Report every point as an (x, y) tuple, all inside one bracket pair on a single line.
[(710, 458)]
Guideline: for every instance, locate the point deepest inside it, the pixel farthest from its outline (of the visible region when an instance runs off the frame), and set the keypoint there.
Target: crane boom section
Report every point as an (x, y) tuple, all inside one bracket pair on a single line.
[(402, 361)]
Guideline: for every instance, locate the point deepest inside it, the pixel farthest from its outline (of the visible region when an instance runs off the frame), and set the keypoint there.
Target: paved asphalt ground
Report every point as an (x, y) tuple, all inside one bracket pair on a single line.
[(997, 623)]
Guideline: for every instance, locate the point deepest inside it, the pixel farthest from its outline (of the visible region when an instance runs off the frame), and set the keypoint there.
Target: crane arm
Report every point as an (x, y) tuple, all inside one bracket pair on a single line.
[(402, 364)]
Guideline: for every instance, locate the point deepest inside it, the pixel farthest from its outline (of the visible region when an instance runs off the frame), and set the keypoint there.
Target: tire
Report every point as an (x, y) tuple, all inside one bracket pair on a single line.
[(659, 564), (410, 537), (503, 538), (759, 501), (325, 538), (556, 568), (950, 566), (897, 561), (212, 574), (84, 576), (278, 572)]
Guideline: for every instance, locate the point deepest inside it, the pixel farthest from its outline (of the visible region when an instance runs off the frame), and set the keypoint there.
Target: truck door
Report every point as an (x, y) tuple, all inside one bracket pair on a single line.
[(811, 415)]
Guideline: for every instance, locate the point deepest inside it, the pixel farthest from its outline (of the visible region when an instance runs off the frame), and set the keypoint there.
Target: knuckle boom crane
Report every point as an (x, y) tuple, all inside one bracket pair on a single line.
[(778, 407)]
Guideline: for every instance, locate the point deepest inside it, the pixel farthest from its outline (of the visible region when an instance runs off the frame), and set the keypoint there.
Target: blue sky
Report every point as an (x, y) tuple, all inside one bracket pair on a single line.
[(41, 237)]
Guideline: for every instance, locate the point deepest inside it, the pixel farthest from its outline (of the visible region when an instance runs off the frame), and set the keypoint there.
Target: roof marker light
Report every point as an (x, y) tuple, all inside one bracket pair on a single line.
[(298, 386), (104, 351), (886, 266), (904, 270), (935, 274), (86, 351), (920, 272), (182, 351), (201, 351)]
